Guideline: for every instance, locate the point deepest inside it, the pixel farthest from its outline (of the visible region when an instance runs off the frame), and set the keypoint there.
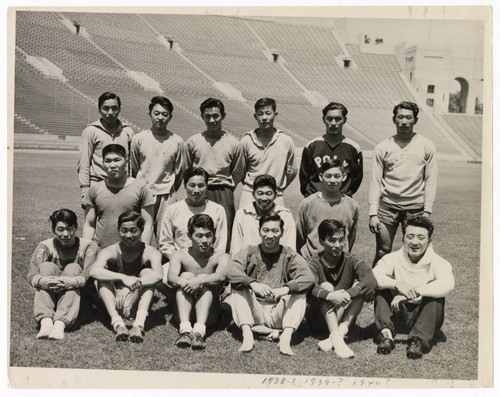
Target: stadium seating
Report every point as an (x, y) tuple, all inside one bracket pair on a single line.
[(373, 61), (304, 44), (469, 128), (208, 34)]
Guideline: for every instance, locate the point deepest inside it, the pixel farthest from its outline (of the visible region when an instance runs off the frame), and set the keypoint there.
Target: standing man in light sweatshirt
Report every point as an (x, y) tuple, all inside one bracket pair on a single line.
[(157, 158), (267, 150), (412, 285), (107, 130), (404, 178), (220, 155)]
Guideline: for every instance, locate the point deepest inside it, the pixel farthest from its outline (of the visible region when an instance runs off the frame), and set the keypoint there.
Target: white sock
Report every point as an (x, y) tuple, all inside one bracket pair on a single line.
[(200, 328), (343, 329), (140, 318), (117, 321), (57, 331), (339, 345), (325, 345), (46, 325), (185, 326)]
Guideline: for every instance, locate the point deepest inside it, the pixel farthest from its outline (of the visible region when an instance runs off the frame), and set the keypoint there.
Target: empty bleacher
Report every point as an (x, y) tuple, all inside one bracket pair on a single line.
[(49, 104), (208, 34), (304, 44), (469, 128), (373, 61)]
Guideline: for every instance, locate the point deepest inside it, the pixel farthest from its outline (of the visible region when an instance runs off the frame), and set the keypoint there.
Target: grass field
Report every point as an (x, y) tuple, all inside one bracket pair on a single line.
[(47, 181)]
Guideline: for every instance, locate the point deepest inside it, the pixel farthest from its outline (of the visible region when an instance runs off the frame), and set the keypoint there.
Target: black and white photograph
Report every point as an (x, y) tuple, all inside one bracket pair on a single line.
[(251, 197)]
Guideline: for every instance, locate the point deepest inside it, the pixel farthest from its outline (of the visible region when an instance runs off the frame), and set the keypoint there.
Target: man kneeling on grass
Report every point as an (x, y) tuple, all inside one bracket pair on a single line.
[(127, 272), (413, 283), (59, 270), (269, 285), (197, 272), (342, 280)]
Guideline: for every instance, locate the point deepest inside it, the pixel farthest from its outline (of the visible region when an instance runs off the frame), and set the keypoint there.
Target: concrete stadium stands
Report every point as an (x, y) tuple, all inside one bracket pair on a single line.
[(304, 44), (469, 128), (373, 61)]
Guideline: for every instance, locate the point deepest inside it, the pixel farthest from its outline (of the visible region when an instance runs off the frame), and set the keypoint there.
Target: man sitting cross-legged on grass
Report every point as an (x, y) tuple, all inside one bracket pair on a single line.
[(59, 270), (413, 283), (269, 285), (127, 272), (246, 222), (197, 272), (328, 203), (342, 280)]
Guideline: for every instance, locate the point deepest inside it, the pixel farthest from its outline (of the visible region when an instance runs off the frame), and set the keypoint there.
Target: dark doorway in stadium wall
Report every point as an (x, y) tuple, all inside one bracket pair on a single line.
[(458, 99)]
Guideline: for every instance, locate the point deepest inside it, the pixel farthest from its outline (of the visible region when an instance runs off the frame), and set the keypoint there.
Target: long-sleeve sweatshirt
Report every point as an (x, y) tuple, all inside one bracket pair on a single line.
[(157, 160), (317, 151), (289, 269), (94, 138), (313, 210), (431, 276), (174, 230), (343, 276), (221, 157), (403, 177), (246, 228), (277, 159), (85, 252)]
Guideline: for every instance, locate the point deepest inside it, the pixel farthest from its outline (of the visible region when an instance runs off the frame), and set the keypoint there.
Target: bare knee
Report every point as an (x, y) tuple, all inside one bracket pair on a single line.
[(187, 275), (144, 272)]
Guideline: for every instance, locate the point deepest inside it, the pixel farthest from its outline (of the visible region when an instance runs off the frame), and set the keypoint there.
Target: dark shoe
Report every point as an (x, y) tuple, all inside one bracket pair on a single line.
[(386, 346), (121, 333), (198, 342), (136, 335), (184, 340), (415, 348)]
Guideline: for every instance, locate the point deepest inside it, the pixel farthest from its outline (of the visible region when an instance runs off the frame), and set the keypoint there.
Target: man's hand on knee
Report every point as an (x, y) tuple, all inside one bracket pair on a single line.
[(121, 295), (193, 285), (69, 282), (396, 302)]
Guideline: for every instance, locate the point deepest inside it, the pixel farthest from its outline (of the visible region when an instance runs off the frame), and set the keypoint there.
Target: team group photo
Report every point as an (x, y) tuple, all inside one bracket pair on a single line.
[(221, 194)]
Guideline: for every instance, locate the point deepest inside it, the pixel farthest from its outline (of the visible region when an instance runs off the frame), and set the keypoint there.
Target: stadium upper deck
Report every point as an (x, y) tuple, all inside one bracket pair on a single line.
[(208, 50)]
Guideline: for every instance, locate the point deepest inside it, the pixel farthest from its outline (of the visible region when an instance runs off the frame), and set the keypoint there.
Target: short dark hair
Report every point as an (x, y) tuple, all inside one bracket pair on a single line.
[(330, 227), (265, 180), (201, 220), (195, 171), (408, 106), (419, 221), (63, 215), (271, 217), (335, 106), (212, 103), (265, 102), (330, 163), (109, 95), (131, 216), (163, 101), (114, 148)]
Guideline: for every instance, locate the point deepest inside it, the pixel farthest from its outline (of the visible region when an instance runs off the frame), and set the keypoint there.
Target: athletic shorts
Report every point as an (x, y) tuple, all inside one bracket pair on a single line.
[(392, 216)]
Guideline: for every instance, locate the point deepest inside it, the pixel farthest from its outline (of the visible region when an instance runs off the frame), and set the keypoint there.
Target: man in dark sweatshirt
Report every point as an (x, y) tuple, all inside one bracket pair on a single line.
[(342, 280), (269, 286)]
